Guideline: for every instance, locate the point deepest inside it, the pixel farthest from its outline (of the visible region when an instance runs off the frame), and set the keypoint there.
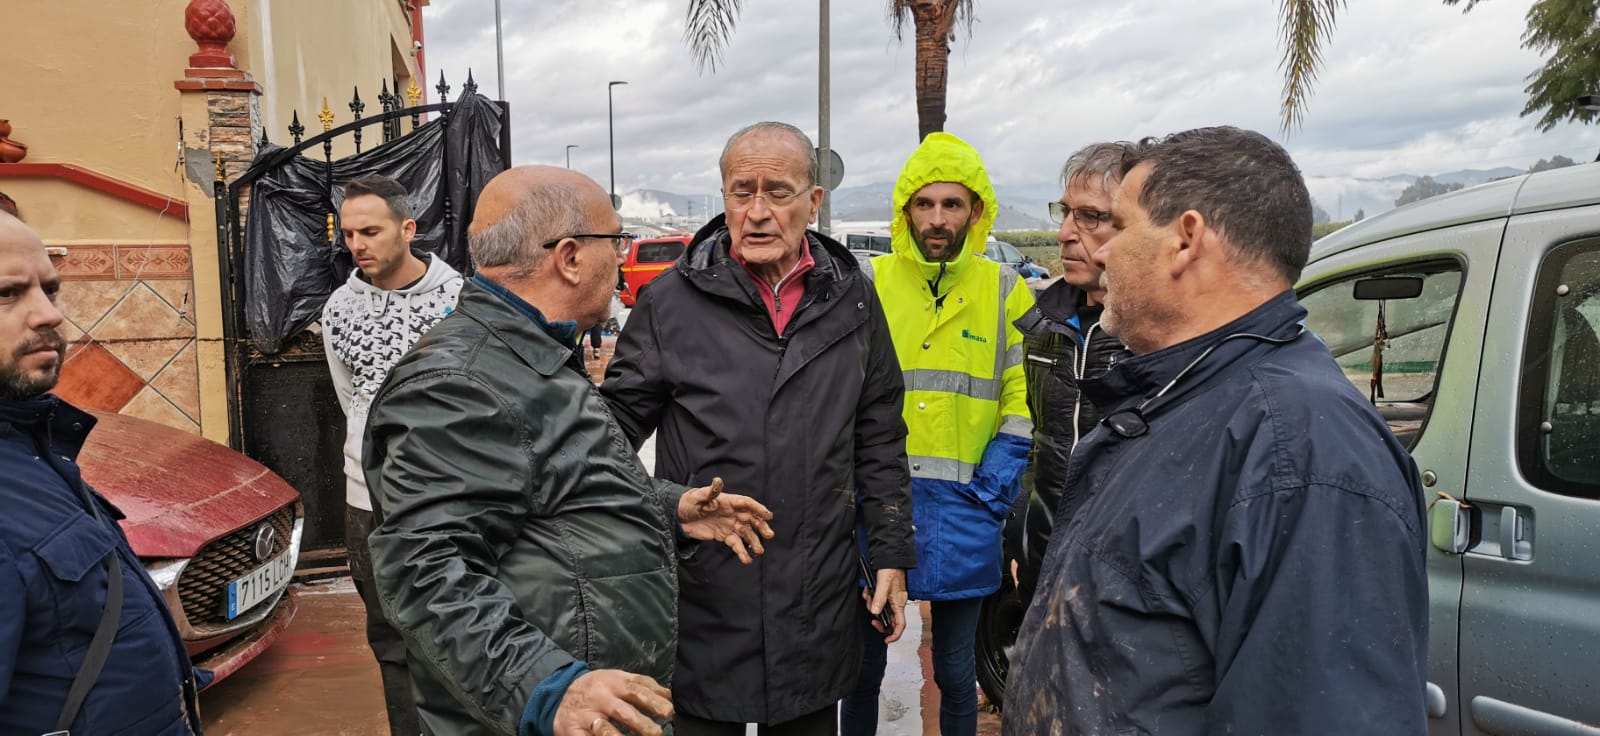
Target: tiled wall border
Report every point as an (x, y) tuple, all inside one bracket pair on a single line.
[(81, 262)]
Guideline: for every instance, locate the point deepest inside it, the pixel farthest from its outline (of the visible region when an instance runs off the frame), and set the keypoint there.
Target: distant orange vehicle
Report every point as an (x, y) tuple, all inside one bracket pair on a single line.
[(646, 260)]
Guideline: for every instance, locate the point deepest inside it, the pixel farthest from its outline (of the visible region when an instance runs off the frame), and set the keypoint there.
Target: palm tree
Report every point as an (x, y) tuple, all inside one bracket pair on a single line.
[(710, 24)]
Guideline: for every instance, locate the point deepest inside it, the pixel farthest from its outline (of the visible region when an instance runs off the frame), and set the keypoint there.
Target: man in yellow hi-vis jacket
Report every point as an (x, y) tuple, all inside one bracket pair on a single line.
[(950, 312)]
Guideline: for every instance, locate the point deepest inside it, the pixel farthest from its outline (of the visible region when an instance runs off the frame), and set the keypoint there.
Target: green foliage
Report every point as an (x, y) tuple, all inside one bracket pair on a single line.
[(1423, 188), (1323, 228), (1569, 31), (1025, 239), (1304, 28), (1047, 256)]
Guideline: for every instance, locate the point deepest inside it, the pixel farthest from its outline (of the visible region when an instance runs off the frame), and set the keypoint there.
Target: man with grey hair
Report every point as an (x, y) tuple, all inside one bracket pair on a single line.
[(520, 548), (763, 357), (1065, 346)]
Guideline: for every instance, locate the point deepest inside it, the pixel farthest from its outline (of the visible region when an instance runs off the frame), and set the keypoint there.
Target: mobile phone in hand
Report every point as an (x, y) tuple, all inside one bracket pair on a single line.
[(886, 616)]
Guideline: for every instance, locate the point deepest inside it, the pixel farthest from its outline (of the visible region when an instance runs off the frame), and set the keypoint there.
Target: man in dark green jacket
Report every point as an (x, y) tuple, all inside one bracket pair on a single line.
[(520, 547)]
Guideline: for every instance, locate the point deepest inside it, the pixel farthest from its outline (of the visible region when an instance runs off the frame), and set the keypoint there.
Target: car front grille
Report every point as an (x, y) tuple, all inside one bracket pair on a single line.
[(203, 588)]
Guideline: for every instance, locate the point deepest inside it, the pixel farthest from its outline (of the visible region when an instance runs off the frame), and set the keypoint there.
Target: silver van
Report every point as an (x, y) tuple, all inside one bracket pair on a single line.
[(1471, 321)]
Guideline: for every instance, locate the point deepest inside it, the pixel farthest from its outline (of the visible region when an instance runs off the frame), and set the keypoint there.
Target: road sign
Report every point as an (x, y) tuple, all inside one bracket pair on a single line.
[(835, 170)]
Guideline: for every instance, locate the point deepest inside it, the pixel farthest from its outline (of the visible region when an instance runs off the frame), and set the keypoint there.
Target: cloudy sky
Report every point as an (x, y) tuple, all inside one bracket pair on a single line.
[(1409, 86)]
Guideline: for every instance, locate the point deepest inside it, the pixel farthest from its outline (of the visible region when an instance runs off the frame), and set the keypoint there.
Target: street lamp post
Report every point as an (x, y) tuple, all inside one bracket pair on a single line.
[(611, 142), (499, 53), (570, 146)]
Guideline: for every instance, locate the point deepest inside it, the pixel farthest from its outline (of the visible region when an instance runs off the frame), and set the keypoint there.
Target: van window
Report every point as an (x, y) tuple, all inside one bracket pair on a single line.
[(659, 251), (1398, 376), (1559, 407)]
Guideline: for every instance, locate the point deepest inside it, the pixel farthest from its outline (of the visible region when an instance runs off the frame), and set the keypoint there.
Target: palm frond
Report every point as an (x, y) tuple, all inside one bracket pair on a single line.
[(1306, 27), (707, 28)]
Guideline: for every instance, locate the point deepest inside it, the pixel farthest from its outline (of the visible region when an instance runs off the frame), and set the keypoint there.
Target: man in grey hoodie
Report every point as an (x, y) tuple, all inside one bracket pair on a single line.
[(393, 296)]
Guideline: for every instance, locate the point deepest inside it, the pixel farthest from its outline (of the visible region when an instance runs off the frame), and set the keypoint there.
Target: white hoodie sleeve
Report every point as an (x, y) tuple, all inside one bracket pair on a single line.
[(342, 383)]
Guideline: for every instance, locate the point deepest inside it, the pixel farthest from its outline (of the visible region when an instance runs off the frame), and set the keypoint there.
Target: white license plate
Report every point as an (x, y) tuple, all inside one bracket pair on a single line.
[(258, 585)]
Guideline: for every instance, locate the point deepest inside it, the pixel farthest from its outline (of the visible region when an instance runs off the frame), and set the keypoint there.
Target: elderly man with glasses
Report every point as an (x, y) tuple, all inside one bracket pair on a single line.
[(520, 547), (763, 357)]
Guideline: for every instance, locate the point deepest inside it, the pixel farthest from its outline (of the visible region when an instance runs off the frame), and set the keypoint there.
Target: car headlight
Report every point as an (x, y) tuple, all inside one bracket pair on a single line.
[(165, 573)]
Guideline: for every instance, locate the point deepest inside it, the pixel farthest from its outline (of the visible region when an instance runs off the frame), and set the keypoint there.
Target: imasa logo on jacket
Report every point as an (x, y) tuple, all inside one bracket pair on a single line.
[(974, 337)]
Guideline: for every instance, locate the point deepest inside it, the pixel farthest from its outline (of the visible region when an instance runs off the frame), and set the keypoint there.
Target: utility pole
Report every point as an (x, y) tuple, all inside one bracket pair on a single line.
[(570, 146), (611, 144), (824, 214), (500, 54)]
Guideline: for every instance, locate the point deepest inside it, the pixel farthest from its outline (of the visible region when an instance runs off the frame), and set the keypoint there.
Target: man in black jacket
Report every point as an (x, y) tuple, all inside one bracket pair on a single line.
[(1242, 548), (520, 548), (763, 357), (1065, 345)]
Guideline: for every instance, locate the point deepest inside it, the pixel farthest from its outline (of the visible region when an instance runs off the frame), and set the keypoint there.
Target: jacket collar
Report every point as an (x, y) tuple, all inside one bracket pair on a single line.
[(1279, 320), (543, 345), (709, 265), (65, 426)]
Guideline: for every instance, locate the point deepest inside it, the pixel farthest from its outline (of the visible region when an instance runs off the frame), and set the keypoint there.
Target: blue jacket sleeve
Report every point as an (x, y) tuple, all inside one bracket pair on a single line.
[(999, 475), (539, 718)]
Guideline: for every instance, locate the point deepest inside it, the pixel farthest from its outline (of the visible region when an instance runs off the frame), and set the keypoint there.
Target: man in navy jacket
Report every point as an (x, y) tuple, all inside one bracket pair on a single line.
[(1242, 549), (57, 537)]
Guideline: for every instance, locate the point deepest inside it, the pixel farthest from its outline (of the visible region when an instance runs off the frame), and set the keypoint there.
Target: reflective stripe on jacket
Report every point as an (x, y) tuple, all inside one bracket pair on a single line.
[(966, 405)]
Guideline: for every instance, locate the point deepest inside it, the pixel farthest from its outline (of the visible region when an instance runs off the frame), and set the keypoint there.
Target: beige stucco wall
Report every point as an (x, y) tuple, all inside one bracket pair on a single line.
[(303, 50), (85, 86)]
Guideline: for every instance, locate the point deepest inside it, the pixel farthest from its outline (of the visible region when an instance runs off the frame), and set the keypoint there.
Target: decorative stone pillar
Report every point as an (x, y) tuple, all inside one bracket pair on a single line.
[(221, 124)]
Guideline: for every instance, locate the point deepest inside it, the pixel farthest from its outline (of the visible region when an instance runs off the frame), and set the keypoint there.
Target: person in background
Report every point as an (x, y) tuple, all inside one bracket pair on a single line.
[(392, 297)]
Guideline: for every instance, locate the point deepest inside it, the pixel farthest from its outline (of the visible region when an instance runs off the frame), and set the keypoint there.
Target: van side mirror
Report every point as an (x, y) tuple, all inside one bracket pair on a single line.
[(1379, 288)]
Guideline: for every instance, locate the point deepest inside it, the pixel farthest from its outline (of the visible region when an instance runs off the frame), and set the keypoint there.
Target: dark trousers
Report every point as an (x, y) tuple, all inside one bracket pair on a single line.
[(595, 335), (386, 643), (824, 722), (955, 671)]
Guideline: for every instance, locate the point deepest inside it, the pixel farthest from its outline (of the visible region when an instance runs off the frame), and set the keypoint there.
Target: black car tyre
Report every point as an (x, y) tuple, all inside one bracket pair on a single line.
[(998, 622)]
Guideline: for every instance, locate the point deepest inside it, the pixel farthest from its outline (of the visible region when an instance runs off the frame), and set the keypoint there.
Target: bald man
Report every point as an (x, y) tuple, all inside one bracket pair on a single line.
[(62, 554), (519, 546)]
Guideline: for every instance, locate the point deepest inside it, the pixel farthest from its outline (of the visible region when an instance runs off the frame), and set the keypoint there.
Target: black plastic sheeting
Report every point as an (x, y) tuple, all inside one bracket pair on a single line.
[(290, 268)]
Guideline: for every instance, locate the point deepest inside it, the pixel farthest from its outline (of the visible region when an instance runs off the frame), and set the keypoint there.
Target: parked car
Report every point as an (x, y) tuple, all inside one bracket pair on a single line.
[(876, 241), (218, 532), (647, 260), (1000, 251), (1487, 301)]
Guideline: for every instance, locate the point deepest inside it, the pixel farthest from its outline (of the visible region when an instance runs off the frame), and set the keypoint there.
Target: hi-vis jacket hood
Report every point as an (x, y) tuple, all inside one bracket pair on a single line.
[(943, 158)]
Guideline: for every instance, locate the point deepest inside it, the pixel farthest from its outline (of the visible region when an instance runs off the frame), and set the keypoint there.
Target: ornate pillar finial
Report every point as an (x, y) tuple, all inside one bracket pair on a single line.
[(210, 23)]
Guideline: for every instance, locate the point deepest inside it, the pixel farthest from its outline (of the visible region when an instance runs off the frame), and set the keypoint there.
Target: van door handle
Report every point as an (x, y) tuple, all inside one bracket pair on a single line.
[(1434, 697), (1509, 719), (1515, 541)]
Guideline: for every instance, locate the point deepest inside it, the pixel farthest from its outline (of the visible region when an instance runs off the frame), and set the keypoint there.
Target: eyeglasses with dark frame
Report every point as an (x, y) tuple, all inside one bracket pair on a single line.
[(624, 241), (1087, 218)]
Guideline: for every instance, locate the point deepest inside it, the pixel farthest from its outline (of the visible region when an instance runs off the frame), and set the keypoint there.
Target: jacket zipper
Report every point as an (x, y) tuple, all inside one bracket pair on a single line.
[(1081, 368)]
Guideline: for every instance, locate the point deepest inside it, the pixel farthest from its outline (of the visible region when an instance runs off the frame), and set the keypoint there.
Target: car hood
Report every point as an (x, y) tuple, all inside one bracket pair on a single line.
[(179, 490)]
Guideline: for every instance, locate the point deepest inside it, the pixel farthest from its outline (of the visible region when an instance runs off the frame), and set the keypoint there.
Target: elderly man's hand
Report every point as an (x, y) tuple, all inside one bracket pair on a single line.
[(891, 593), (598, 702), (740, 522)]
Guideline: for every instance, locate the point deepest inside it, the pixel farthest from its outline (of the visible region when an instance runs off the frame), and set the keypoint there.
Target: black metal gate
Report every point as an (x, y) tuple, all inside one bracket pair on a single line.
[(280, 265)]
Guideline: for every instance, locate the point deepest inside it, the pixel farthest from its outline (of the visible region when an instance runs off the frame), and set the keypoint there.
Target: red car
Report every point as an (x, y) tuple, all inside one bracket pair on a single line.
[(647, 260), (218, 532)]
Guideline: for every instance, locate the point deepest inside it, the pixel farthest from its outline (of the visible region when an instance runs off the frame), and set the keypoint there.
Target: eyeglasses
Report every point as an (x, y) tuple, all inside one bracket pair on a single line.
[(623, 242), (774, 197), (1087, 218)]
